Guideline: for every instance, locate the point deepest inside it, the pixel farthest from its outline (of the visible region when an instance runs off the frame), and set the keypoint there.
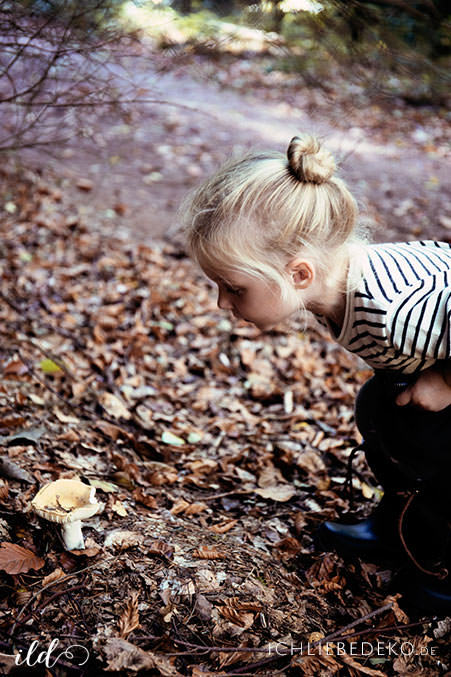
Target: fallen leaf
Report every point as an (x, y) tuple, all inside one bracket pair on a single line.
[(4, 491), (48, 366), (182, 506), (161, 548), (122, 655), (65, 418), (361, 668), (279, 492), (114, 406), (223, 527), (15, 368), (129, 620), (17, 560), (7, 663), (169, 438), (55, 575), (10, 469), (107, 487), (287, 547), (121, 538), (205, 552), (243, 618), (146, 499), (119, 508), (91, 549), (30, 435), (84, 184)]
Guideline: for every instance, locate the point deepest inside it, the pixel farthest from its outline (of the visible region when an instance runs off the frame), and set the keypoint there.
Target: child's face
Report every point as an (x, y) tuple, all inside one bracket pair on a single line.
[(252, 299)]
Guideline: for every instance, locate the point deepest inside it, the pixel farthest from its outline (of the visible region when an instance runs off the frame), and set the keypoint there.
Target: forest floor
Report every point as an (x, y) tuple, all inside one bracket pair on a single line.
[(140, 162), (216, 451)]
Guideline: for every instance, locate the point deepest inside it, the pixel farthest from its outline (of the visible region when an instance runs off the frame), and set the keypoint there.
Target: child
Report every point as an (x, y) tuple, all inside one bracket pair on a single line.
[(278, 236)]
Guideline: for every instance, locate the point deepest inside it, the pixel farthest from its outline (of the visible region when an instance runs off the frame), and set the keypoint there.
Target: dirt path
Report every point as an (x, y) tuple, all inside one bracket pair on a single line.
[(140, 166)]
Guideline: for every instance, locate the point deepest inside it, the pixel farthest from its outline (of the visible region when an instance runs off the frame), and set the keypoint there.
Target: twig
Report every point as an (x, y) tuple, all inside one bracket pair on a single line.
[(387, 628), (49, 600), (280, 654), (228, 493), (56, 582), (117, 102), (334, 635)]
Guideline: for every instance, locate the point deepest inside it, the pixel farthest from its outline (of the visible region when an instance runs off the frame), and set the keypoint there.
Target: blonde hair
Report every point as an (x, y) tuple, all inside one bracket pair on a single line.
[(258, 212)]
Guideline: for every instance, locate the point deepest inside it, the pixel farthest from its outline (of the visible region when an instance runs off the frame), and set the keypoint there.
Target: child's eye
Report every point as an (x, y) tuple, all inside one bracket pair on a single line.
[(233, 290)]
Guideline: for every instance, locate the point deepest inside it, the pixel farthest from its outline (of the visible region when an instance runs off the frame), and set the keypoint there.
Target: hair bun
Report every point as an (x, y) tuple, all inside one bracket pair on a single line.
[(308, 162)]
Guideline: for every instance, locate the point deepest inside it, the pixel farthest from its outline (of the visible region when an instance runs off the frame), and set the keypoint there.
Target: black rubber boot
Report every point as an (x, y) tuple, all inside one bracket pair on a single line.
[(409, 451), (375, 538)]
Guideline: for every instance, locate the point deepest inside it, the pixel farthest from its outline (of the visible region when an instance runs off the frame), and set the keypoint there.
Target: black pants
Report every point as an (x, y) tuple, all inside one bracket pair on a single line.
[(406, 447)]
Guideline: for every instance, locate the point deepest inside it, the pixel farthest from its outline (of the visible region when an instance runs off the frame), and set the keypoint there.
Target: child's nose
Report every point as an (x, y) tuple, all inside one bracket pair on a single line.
[(224, 302)]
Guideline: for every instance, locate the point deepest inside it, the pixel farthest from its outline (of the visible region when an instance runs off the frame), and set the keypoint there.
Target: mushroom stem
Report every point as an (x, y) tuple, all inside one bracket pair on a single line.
[(72, 535)]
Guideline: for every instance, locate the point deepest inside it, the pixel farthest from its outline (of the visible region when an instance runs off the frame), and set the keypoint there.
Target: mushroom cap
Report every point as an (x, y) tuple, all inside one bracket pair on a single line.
[(65, 501)]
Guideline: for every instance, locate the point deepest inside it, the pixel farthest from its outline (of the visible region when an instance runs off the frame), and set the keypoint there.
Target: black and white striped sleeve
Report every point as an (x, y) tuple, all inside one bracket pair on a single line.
[(419, 323)]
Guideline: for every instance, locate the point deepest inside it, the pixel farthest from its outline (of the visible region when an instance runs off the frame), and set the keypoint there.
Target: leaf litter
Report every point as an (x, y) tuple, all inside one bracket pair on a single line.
[(217, 452)]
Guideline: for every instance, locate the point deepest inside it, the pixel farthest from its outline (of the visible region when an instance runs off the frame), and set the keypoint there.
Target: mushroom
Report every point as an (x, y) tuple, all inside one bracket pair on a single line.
[(67, 502)]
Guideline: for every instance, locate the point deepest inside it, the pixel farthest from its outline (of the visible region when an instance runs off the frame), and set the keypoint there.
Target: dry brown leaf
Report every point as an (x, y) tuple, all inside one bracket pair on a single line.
[(129, 620), (239, 604), (161, 548), (65, 418), (17, 560), (287, 547), (360, 667), (146, 499), (400, 616), (8, 663), (205, 552), (270, 476), (119, 508), (300, 522), (278, 492), (84, 184), (110, 430), (244, 620), (122, 655), (202, 466), (69, 436), (53, 576), (4, 491), (312, 666), (122, 539), (223, 527), (91, 549), (182, 506), (114, 406), (14, 368)]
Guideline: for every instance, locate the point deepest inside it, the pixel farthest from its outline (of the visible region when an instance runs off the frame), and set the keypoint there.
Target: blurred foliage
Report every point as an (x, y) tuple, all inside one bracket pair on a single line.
[(202, 31), (53, 69), (90, 15), (388, 47)]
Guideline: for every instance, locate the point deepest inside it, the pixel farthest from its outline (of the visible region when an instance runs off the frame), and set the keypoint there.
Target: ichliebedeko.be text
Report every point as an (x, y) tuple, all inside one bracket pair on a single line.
[(362, 649)]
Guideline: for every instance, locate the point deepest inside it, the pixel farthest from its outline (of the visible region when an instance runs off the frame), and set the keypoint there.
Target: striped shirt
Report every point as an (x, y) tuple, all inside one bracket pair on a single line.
[(399, 317)]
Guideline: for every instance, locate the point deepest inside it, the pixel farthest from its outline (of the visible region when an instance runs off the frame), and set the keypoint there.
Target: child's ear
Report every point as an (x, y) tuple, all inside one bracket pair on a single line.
[(301, 272)]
